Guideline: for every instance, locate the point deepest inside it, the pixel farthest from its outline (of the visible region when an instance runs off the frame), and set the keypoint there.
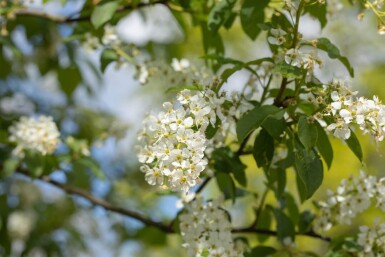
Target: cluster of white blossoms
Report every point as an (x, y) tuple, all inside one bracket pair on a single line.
[(352, 197), (35, 133), (174, 141), (307, 60), (346, 110), (206, 230), (372, 240)]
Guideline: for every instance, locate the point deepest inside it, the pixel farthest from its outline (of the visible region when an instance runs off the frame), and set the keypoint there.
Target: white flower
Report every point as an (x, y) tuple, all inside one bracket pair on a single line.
[(91, 43), (205, 228), (20, 224), (38, 134), (181, 65), (278, 37), (352, 197), (294, 57), (174, 142), (110, 37)]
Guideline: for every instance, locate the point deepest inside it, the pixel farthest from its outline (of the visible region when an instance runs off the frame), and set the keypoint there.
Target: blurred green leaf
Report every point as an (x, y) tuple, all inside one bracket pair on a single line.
[(103, 12), (69, 79), (263, 150), (309, 172), (255, 118), (323, 145), (252, 14), (354, 145), (220, 14), (333, 52), (285, 227), (107, 56), (317, 10), (307, 132), (261, 251)]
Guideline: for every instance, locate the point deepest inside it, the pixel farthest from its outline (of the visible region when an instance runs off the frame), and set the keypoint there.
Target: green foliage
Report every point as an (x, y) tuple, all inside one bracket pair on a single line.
[(262, 251), (333, 52), (309, 172), (103, 12), (255, 118), (354, 145), (107, 56), (307, 133), (252, 15), (280, 132)]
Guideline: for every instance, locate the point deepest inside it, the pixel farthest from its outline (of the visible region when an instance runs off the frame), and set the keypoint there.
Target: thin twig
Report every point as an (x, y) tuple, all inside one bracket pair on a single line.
[(106, 205)]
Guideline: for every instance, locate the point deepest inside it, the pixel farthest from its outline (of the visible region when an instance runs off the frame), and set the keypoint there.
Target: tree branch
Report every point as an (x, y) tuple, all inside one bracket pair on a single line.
[(103, 203), (71, 19)]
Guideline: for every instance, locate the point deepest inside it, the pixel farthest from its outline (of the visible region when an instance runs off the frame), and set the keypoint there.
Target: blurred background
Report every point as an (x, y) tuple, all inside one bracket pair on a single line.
[(43, 73)]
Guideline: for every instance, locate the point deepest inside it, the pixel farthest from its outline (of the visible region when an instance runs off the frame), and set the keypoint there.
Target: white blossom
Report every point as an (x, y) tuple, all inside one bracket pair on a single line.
[(352, 197), (110, 37), (91, 43), (174, 142), (205, 228), (35, 133), (277, 37), (372, 240), (181, 65), (20, 224), (348, 110)]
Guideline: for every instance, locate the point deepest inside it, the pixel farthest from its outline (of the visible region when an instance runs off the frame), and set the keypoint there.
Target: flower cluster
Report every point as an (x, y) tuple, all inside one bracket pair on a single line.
[(174, 141), (372, 240), (346, 109), (206, 230), (352, 197), (38, 134)]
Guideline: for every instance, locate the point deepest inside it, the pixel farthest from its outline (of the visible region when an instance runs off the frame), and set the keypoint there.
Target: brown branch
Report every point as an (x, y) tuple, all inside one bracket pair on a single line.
[(71, 19), (106, 205)]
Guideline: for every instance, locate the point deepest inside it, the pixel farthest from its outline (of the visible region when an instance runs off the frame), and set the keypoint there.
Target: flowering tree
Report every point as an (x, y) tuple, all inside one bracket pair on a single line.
[(199, 143)]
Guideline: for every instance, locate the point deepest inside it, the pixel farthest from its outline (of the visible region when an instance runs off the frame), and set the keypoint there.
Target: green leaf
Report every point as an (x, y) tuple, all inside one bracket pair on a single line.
[(307, 132), (263, 150), (309, 172), (288, 71), (151, 236), (107, 56), (220, 14), (69, 79), (103, 12), (305, 221), (333, 52), (211, 130), (323, 145), (9, 167), (264, 222), (261, 251), (289, 203), (252, 14), (274, 127), (317, 10), (226, 161), (213, 46), (355, 145), (174, 90), (277, 181), (90, 164), (226, 185), (285, 228), (255, 118)]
